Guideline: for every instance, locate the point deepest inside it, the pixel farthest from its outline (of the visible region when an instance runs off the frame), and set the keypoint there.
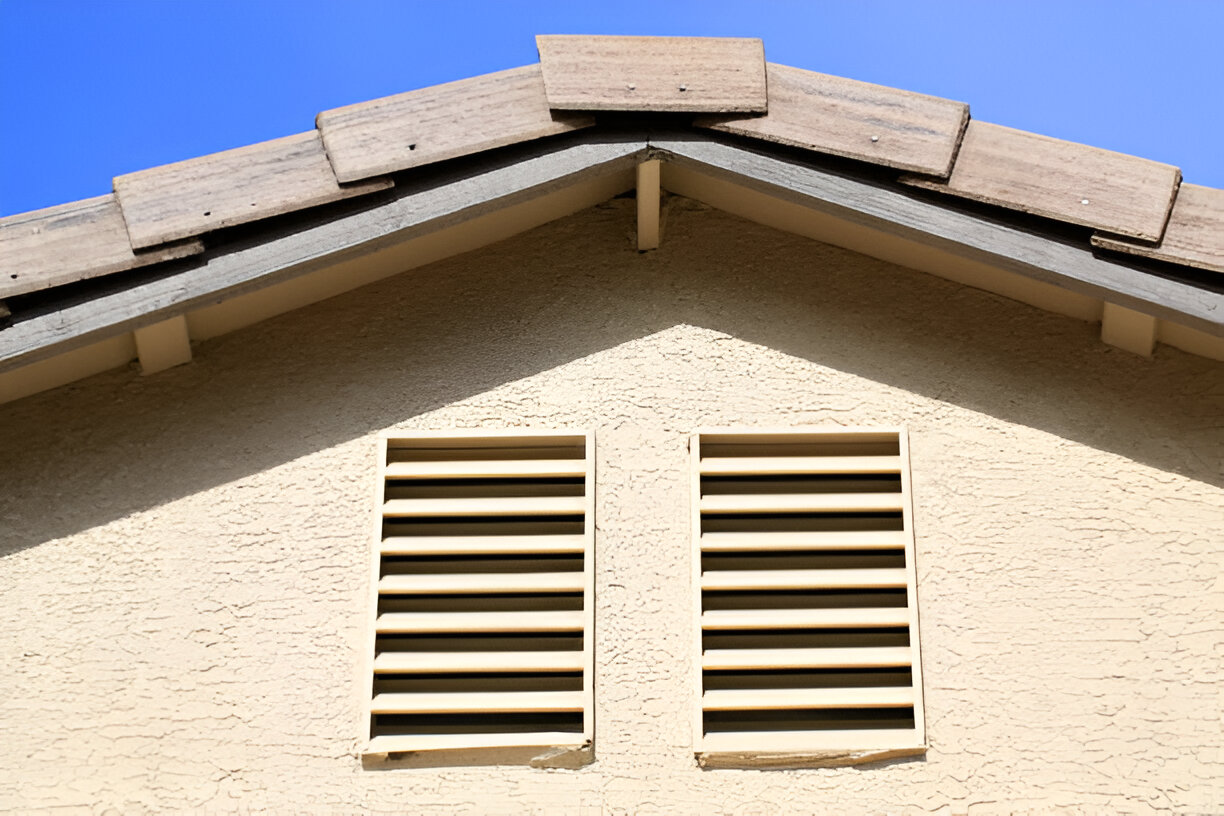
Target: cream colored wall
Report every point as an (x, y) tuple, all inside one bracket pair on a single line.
[(185, 556)]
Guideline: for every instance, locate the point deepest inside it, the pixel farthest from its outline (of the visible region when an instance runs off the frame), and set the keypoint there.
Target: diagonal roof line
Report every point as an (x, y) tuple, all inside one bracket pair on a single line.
[(467, 190), (974, 237), (1137, 207), (459, 194)]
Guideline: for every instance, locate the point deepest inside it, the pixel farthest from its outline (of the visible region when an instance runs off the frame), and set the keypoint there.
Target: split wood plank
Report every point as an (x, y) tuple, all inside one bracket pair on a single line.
[(441, 122), (1194, 236), (796, 743), (657, 74), (72, 242), (857, 120), (435, 742), (232, 187), (1066, 181)]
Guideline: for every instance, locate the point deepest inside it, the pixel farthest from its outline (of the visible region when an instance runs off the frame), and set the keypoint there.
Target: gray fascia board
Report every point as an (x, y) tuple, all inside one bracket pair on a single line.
[(476, 186), (965, 235), (461, 193)]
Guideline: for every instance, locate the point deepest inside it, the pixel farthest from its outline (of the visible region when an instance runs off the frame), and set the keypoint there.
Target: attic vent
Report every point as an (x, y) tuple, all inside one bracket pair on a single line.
[(483, 635), (804, 567)]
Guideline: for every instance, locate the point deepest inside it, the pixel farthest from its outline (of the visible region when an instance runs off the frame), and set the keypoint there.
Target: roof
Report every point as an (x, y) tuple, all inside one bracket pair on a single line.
[(1102, 223)]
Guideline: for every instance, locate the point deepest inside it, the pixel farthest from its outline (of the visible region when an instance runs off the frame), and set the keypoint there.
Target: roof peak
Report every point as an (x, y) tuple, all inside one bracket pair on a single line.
[(1134, 205)]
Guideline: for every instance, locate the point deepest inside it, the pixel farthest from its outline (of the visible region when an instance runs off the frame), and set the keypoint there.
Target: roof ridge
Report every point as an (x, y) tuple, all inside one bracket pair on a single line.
[(1134, 205)]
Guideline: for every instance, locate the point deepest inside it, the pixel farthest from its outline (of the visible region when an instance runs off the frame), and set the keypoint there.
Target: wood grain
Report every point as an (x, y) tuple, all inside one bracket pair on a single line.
[(453, 196), (1112, 192), (441, 122), (228, 188), (1194, 236), (72, 242), (668, 74), (975, 237), (857, 120)]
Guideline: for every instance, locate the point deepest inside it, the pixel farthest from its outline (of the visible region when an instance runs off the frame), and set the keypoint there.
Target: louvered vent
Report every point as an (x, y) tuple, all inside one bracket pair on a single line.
[(483, 636), (805, 571)]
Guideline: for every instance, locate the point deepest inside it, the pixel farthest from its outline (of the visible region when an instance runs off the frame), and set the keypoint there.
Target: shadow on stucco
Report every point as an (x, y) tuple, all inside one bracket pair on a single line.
[(119, 443)]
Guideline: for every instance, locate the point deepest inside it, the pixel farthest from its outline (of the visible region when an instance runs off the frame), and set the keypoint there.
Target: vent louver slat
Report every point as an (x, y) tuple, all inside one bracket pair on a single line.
[(482, 593), (804, 567)]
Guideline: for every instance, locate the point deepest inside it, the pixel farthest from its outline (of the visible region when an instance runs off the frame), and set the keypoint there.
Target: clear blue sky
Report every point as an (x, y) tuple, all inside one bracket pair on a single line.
[(90, 89)]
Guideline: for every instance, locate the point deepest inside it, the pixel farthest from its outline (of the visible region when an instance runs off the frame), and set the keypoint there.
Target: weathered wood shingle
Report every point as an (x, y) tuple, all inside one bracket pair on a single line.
[(1194, 237), (661, 74), (1112, 192), (232, 187), (72, 242), (442, 122), (854, 119)]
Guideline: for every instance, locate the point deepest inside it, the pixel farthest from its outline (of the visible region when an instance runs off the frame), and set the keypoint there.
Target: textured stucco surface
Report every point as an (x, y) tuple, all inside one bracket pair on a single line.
[(185, 556)]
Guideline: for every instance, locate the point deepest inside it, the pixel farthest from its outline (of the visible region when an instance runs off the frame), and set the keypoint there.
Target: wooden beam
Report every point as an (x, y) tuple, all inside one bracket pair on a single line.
[(648, 205), (434, 201), (671, 74), (1128, 330), (801, 541), (163, 345), (435, 742), (972, 236)]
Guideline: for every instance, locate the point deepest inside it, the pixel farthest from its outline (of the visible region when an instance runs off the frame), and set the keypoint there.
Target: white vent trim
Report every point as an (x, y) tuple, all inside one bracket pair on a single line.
[(438, 460), (857, 454)]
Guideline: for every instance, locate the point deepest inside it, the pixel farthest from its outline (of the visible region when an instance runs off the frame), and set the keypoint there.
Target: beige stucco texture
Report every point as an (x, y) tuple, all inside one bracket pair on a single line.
[(186, 556)]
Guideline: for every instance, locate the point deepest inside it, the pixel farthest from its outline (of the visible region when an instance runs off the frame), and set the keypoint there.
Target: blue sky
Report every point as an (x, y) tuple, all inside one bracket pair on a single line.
[(90, 89)]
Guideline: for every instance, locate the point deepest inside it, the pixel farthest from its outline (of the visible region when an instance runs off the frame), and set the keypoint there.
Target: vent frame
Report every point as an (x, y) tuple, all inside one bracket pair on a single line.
[(556, 748), (781, 746)]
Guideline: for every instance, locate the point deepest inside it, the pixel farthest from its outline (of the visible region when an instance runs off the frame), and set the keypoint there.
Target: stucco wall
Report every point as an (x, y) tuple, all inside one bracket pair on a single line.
[(185, 556)]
